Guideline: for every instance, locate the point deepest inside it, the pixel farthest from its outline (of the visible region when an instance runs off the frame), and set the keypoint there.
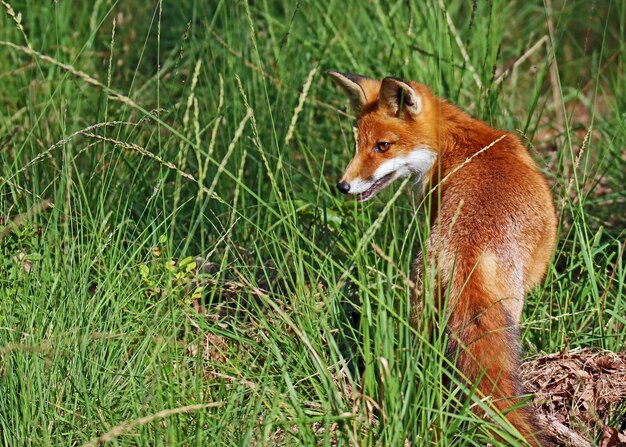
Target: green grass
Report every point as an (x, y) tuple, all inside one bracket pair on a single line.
[(217, 135)]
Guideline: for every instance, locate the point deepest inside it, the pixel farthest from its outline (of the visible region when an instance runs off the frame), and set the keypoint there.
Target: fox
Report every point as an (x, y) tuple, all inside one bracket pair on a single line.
[(492, 225)]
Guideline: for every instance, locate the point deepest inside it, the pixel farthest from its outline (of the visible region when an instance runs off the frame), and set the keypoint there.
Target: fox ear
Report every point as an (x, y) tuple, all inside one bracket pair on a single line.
[(360, 90), (395, 94)]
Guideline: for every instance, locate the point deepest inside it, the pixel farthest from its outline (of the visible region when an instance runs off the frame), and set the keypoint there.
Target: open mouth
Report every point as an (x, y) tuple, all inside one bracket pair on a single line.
[(376, 186)]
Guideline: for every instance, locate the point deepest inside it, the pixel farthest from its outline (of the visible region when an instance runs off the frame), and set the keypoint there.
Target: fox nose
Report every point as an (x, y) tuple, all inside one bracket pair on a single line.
[(344, 187)]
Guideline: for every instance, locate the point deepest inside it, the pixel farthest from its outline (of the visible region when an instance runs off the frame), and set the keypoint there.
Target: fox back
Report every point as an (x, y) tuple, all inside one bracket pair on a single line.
[(493, 225)]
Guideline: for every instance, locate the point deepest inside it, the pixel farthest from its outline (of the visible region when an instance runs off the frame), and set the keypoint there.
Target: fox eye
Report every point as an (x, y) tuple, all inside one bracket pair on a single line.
[(382, 146)]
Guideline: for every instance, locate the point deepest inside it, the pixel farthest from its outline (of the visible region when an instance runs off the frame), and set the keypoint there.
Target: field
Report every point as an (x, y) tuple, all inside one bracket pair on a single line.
[(176, 265)]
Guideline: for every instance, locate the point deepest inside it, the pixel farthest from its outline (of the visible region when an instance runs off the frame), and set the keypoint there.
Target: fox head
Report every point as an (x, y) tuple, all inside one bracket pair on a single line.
[(393, 133)]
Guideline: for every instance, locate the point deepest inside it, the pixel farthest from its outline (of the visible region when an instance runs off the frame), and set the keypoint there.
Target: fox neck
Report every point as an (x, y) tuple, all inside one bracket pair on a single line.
[(456, 137)]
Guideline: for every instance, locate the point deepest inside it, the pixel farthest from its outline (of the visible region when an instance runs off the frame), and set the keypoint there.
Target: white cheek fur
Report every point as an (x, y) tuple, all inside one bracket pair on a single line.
[(418, 162)]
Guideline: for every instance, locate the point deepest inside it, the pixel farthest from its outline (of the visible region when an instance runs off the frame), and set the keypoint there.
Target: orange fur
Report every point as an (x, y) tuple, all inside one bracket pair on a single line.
[(493, 225)]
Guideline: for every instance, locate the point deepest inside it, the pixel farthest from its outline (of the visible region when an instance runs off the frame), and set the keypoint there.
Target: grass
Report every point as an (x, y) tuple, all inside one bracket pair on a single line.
[(136, 136)]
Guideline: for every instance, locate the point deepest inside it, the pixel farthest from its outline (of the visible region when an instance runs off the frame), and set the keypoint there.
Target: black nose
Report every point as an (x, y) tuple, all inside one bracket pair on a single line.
[(344, 187)]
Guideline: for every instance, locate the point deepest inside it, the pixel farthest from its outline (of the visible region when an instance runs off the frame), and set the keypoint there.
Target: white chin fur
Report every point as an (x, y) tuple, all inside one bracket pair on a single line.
[(418, 162)]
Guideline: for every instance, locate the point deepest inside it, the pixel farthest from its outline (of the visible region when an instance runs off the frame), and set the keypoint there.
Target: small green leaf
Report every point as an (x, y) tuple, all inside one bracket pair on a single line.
[(144, 270)]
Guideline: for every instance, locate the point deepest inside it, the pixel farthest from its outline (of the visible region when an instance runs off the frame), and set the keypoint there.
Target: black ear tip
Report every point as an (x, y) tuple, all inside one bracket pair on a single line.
[(395, 79)]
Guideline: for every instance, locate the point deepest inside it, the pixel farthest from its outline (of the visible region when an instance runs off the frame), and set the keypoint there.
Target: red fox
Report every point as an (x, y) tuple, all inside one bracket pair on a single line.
[(493, 223)]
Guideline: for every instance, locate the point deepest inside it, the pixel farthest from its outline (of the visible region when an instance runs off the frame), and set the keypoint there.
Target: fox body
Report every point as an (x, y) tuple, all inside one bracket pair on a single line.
[(493, 224)]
